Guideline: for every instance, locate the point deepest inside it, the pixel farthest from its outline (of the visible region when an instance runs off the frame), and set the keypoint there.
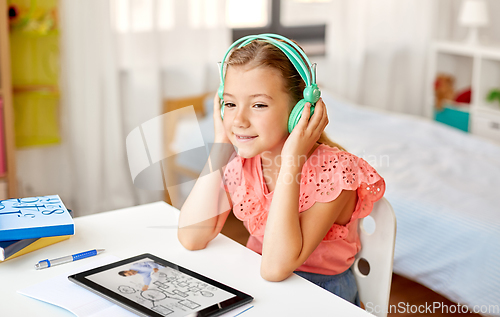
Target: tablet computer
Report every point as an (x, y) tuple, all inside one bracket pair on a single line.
[(150, 286)]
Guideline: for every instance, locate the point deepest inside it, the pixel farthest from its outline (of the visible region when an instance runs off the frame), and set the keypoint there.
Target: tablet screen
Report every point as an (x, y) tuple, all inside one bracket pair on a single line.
[(162, 289), (160, 286)]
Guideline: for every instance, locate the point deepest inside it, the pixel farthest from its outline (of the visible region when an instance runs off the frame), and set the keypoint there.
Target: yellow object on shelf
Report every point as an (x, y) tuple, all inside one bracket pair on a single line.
[(34, 47), (34, 59), (36, 118), (32, 16)]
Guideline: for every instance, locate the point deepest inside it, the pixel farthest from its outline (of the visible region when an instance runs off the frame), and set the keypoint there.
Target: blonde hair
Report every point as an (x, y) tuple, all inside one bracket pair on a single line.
[(261, 53)]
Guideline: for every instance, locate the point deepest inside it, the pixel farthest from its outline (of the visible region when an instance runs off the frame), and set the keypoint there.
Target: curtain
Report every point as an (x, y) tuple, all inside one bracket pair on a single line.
[(115, 71), (376, 52)]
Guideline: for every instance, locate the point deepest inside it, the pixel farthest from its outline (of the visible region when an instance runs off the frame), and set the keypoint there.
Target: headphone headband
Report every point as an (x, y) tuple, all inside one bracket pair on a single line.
[(299, 50), (300, 61)]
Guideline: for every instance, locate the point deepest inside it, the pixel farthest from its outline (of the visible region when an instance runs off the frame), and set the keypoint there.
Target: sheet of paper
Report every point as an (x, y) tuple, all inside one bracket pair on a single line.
[(240, 311), (81, 302)]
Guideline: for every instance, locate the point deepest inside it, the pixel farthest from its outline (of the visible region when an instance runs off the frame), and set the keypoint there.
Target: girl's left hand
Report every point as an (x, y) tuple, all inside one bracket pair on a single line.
[(305, 134)]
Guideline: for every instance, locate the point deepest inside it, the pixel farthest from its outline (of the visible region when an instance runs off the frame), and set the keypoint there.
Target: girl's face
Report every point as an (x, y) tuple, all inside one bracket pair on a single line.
[(256, 110)]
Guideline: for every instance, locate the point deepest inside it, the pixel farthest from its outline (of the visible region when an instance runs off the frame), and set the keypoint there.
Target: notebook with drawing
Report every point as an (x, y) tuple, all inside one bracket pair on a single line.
[(151, 286)]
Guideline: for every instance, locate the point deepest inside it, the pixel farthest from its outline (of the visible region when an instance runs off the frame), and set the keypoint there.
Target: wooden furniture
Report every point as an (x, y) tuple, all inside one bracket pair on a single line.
[(10, 176), (171, 169), (153, 228), (477, 67)]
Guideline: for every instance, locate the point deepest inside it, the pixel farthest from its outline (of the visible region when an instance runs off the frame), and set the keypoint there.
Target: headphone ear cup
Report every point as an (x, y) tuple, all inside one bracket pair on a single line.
[(312, 93), (294, 118)]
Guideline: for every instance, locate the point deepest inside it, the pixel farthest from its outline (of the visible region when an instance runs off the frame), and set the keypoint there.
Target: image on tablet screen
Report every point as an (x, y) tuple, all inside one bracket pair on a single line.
[(165, 290)]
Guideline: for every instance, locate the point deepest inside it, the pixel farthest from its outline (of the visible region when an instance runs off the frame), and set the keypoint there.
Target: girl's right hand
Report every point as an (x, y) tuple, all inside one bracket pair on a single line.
[(220, 132)]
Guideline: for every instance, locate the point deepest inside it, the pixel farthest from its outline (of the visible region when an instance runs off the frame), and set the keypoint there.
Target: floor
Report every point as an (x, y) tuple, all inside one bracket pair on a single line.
[(414, 296), (406, 296)]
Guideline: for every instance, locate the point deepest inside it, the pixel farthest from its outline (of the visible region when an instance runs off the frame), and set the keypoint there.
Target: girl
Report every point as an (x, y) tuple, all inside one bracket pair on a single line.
[(299, 194)]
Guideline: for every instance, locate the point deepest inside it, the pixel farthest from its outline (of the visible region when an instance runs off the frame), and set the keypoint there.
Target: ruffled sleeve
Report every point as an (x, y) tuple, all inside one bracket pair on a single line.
[(329, 172)]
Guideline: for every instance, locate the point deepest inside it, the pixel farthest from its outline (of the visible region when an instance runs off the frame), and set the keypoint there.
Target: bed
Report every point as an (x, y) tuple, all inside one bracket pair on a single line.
[(441, 183)]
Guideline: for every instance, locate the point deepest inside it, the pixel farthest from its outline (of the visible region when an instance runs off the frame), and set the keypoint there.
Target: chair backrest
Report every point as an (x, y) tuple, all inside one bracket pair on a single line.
[(377, 249)]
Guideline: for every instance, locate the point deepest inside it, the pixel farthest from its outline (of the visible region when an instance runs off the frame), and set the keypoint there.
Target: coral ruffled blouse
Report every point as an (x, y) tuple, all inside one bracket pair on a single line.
[(324, 175)]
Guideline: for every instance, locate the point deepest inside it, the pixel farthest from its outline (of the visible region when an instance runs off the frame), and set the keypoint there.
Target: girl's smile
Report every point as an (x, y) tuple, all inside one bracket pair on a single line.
[(256, 110), (245, 138)]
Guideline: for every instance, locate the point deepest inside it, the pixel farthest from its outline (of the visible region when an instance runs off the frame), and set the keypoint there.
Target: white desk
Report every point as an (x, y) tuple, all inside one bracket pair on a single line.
[(152, 229)]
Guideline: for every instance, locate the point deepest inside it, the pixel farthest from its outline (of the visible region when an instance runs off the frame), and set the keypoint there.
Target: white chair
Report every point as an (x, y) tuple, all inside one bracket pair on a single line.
[(377, 248)]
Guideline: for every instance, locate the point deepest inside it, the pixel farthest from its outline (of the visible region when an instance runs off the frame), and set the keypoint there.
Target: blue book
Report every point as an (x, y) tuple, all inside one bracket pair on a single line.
[(34, 217)]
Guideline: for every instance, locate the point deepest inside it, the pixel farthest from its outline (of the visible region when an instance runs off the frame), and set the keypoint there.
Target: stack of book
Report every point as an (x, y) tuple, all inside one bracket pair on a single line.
[(28, 224)]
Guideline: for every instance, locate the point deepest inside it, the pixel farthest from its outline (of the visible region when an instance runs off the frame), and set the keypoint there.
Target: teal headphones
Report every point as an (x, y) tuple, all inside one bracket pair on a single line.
[(295, 55)]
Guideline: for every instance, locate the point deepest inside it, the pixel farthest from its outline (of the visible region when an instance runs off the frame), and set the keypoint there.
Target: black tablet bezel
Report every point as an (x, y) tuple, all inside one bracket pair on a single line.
[(214, 310)]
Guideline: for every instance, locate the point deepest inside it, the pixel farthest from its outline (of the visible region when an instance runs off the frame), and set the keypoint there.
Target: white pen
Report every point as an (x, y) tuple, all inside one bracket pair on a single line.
[(65, 259)]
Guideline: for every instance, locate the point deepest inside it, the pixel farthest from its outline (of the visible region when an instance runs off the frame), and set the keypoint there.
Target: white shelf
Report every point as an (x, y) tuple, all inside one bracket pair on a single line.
[(491, 52), (489, 79), (474, 66), (485, 111), (486, 124), (455, 48), (461, 48)]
